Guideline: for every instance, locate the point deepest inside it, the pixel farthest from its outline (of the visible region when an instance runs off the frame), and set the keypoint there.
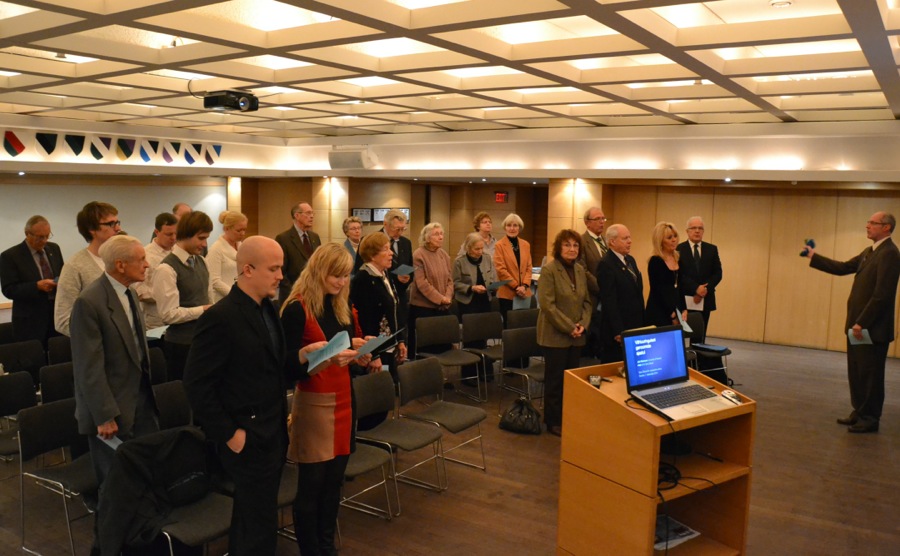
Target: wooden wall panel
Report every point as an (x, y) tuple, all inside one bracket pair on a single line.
[(635, 207), (743, 221), (797, 299), (677, 204), (276, 197)]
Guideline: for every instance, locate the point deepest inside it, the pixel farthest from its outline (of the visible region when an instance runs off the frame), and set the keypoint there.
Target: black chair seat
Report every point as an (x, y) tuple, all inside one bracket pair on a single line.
[(406, 435), (77, 477), (364, 459), (214, 511), (452, 416), (287, 489), (454, 358), (535, 371), (494, 352)]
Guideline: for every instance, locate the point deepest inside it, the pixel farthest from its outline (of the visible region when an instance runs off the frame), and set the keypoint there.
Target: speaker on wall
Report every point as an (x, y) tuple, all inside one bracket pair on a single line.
[(352, 159)]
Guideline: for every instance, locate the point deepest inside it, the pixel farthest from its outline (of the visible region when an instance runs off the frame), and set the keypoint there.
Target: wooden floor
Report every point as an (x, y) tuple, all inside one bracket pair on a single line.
[(817, 490)]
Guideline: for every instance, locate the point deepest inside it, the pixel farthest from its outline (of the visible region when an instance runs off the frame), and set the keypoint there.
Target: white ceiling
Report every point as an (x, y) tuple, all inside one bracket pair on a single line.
[(327, 68)]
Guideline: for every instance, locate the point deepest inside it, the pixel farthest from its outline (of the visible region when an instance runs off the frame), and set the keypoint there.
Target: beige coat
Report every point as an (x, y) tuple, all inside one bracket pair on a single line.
[(562, 306)]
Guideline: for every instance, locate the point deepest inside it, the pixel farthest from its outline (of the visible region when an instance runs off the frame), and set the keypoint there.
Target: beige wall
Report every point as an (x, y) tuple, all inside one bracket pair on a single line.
[(276, 197)]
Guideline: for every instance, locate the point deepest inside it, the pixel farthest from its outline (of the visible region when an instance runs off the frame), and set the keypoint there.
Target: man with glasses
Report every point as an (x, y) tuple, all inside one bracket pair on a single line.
[(870, 318), (28, 273), (298, 243), (594, 250), (699, 271), (97, 222)]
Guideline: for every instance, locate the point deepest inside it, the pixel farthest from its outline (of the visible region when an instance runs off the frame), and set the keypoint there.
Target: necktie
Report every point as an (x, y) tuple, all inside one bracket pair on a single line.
[(601, 245), (394, 247), (307, 246), (629, 265), (46, 272), (191, 262), (697, 256), (138, 331)]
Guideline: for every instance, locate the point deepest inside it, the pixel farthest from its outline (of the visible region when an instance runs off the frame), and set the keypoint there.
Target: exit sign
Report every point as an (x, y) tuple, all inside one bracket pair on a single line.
[(501, 196)]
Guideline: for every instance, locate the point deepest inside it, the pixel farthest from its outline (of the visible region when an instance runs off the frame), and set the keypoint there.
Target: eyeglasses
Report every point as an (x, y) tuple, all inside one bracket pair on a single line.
[(873, 223), (41, 238), (598, 219), (696, 229), (111, 224)]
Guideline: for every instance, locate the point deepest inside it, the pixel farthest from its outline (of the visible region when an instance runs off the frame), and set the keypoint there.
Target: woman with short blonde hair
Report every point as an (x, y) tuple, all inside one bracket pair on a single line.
[(221, 260)]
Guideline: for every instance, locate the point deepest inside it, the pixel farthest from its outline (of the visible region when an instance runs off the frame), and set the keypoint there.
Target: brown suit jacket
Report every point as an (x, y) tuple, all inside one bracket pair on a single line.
[(874, 291), (562, 306), (590, 258), (294, 258)]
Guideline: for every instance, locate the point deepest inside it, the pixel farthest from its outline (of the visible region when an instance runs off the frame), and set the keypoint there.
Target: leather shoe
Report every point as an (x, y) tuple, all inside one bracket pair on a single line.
[(849, 420), (555, 430), (864, 426)]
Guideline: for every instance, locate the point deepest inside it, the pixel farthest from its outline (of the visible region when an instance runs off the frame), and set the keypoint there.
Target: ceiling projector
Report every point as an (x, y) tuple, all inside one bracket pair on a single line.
[(231, 100)]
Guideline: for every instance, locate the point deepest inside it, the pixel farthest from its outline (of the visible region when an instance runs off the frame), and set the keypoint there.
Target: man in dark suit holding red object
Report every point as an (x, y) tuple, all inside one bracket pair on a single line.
[(28, 273), (870, 309), (699, 270)]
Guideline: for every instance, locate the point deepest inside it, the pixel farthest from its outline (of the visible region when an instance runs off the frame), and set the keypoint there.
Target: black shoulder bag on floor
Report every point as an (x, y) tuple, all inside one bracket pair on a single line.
[(521, 417)]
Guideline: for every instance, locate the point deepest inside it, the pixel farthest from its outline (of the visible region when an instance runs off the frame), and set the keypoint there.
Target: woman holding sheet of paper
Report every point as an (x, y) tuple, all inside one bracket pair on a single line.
[(473, 273), (322, 420)]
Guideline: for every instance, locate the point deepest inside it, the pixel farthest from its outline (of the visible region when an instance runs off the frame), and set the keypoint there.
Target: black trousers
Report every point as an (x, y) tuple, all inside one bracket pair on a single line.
[(556, 361), (256, 473), (865, 373), (316, 505)]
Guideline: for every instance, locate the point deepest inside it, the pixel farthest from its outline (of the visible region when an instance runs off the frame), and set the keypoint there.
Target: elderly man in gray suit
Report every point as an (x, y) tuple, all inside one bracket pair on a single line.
[(593, 250), (870, 309), (113, 397)]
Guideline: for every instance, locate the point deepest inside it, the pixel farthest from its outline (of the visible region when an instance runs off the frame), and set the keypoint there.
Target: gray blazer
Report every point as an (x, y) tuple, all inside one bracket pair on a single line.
[(465, 276), (106, 359), (562, 306)]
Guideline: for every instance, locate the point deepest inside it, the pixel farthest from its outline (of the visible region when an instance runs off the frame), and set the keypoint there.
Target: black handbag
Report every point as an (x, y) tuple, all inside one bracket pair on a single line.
[(521, 417)]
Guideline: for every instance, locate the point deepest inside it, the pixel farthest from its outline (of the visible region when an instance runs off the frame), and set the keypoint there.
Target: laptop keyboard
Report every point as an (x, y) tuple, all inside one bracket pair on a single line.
[(679, 396)]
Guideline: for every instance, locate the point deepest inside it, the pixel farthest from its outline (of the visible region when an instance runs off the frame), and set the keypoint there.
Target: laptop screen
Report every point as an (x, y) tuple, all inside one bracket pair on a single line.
[(654, 357)]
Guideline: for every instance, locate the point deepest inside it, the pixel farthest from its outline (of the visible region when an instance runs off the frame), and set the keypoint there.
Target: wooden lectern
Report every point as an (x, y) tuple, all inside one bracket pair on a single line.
[(608, 499)]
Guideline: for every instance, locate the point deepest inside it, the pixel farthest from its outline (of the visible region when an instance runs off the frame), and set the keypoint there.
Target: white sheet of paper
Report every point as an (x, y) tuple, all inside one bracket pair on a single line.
[(521, 303), (113, 442), (866, 338), (683, 323), (157, 333), (339, 343), (691, 306)]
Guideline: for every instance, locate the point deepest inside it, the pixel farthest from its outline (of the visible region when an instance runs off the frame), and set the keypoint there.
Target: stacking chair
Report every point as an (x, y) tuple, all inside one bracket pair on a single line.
[(519, 350), (59, 350), (57, 382), (375, 394), (709, 359), (363, 460), (172, 403), (522, 318), (16, 394), (487, 327), (287, 492), (158, 370), (7, 336), (45, 428), (438, 332), (424, 379), (26, 356), (199, 523)]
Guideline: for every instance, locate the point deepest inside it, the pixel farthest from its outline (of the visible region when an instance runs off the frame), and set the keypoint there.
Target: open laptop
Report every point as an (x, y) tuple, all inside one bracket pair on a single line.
[(657, 374)]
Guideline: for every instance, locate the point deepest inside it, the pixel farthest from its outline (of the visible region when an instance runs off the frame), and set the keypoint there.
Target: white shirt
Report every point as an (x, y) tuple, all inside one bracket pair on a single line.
[(221, 262), (120, 290), (155, 255), (165, 292)]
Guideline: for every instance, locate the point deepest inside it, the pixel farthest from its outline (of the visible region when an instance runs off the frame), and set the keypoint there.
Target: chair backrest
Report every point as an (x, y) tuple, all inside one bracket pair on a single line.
[(47, 427), (432, 331), (374, 393), (158, 369), (695, 321), (172, 403), (23, 356), (481, 326), (520, 343), (522, 318), (7, 336), (59, 349), (16, 393), (57, 382), (420, 378)]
